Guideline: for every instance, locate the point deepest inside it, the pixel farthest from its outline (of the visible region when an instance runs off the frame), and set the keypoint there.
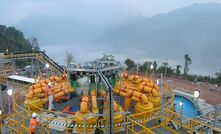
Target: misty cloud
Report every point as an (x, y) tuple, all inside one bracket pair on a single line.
[(92, 12), (119, 27)]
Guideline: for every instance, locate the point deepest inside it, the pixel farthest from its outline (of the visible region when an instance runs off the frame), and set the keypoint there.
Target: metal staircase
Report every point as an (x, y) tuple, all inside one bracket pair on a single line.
[(6, 67), (214, 119), (40, 56)]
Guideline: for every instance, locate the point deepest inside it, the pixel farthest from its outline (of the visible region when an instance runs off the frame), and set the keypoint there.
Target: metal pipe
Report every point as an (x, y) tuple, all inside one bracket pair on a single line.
[(153, 73), (161, 88), (124, 121), (97, 115), (110, 99), (85, 125)]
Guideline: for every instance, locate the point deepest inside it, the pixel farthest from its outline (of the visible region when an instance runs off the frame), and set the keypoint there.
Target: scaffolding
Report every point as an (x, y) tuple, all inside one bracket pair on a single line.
[(41, 57), (167, 121), (152, 121), (7, 67)]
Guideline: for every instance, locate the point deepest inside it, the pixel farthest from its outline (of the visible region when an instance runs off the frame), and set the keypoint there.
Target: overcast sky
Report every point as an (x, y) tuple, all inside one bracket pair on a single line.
[(90, 11)]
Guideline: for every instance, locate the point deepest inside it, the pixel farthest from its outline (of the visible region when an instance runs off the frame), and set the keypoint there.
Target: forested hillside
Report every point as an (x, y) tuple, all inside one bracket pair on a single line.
[(13, 40)]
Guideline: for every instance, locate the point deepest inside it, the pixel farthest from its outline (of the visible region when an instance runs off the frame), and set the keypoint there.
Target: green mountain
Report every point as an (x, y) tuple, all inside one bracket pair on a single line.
[(52, 30), (13, 40), (193, 30)]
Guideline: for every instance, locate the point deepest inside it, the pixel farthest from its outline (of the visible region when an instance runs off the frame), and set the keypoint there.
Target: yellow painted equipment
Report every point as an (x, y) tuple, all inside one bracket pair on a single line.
[(37, 95), (142, 91)]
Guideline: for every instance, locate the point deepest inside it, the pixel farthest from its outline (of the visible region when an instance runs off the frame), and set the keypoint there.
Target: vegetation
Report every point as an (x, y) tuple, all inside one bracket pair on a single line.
[(130, 64), (145, 67), (155, 66), (188, 61), (218, 77), (166, 69), (178, 72), (34, 43), (165, 64), (209, 79), (69, 58), (169, 70), (12, 40)]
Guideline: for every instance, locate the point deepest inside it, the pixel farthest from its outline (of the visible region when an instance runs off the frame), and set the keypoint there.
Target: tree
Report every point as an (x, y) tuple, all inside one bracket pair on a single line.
[(142, 67), (161, 69), (218, 75), (188, 61), (178, 70), (130, 64), (69, 58), (155, 66), (145, 66), (34, 43), (13, 40), (165, 66)]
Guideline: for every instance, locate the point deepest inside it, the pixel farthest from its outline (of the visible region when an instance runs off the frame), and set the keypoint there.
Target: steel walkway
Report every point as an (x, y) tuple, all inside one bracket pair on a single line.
[(40, 56)]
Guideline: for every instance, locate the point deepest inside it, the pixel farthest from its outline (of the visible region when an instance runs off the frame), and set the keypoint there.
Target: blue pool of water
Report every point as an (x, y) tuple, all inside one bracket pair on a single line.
[(187, 109)]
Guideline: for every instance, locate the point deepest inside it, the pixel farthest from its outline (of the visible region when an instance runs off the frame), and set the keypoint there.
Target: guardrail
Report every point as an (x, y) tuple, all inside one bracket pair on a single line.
[(19, 97), (133, 123), (42, 57), (190, 125), (15, 123), (18, 122), (18, 101), (166, 114)]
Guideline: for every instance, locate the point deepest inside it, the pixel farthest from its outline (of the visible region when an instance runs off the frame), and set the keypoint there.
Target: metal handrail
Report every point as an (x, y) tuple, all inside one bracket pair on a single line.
[(28, 112), (17, 107), (44, 110), (38, 55), (149, 115)]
